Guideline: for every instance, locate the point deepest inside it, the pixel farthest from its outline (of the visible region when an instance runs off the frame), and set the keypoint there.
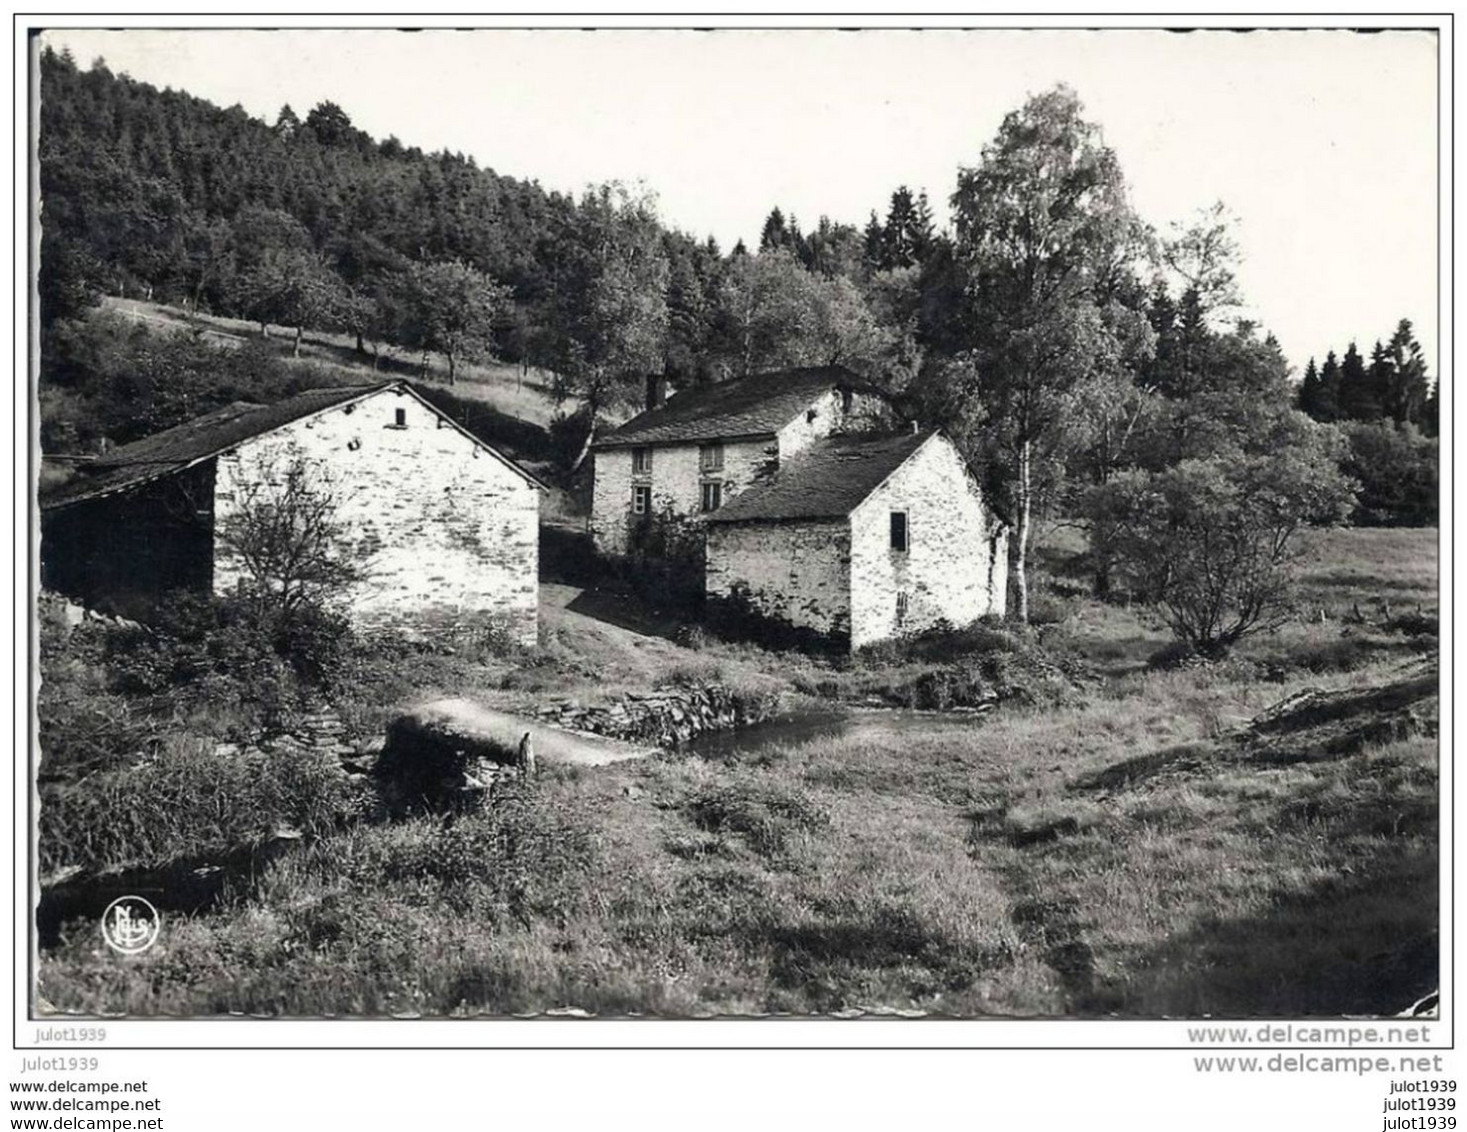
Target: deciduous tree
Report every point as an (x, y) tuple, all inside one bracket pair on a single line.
[(451, 308), (1038, 221)]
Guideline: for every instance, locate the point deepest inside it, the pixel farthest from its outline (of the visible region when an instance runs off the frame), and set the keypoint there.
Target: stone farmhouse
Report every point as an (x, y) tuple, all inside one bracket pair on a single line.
[(441, 522), (821, 512), (689, 453), (862, 539)]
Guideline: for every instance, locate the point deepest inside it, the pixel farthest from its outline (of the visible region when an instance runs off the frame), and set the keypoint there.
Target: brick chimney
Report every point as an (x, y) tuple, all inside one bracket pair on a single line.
[(658, 390)]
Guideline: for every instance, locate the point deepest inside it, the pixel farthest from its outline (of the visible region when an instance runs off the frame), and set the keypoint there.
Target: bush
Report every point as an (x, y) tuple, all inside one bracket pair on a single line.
[(1397, 470), (189, 801), (665, 559), (941, 644), (1213, 542), (208, 650), (766, 816), (521, 856), (82, 725)]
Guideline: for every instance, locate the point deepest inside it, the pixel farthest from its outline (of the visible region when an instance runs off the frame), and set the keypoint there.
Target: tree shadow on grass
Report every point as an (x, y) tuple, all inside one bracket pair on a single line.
[(827, 963), (1349, 944)]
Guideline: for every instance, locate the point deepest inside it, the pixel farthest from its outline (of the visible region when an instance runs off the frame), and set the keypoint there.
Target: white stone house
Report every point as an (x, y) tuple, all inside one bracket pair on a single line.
[(861, 539), (442, 524), (692, 453)]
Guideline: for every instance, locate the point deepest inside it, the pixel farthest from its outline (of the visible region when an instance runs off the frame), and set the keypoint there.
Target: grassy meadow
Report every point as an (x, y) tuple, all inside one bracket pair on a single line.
[(509, 389), (1120, 845)]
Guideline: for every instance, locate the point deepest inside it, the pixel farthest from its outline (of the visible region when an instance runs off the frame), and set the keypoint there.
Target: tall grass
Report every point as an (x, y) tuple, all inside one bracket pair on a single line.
[(1114, 854)]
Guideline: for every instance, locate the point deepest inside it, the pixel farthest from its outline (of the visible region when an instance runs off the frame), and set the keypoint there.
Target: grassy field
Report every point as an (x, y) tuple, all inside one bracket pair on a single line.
[(1128, 847)]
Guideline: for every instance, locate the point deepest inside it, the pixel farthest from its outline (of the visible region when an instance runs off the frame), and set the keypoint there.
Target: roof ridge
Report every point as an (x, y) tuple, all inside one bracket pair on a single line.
[(173, 449), (756, 404)]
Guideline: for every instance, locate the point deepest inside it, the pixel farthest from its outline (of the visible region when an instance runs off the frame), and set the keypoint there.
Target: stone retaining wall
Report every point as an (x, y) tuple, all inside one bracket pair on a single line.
[(665, 717)]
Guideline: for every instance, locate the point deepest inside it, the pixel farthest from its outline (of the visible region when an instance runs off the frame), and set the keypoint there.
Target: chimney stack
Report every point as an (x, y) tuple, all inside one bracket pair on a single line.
[(658, 390)]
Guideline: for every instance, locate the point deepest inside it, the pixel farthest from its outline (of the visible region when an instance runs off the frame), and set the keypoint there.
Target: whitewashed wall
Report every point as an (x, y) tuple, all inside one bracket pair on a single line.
[(676, 481), (951, 565), (440, 525), (676, 478)]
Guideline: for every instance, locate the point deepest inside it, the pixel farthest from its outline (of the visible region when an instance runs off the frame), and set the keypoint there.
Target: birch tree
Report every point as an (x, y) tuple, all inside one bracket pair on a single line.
[(1039, 223)]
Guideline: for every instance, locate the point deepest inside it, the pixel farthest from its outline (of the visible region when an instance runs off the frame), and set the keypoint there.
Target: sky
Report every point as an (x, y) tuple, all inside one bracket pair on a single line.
[(1322, 144)]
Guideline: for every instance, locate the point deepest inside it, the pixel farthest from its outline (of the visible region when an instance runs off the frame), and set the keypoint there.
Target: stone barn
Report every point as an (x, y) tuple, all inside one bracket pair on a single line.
[(690, 453), (860, 539), (441, 523)]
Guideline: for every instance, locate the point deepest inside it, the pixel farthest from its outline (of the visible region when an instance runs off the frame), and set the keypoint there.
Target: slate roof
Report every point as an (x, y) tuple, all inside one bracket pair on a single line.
[(828, 480), (177, 448), (758, 405)]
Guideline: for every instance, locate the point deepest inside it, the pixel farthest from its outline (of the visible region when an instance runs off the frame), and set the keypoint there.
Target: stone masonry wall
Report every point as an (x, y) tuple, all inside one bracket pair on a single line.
[(667, 716), (947, 572), (676, 478), (676, 481), (794, 573), (442, 527), (867, 413)]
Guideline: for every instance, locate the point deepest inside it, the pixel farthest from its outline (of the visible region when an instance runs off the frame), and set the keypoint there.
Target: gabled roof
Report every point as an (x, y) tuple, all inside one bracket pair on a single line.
[(758, 405), (828, 480), (174, 449)]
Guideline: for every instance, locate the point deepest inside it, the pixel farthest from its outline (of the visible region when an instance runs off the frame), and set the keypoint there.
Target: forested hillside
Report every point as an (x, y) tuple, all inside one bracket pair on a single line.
[(313, 223)]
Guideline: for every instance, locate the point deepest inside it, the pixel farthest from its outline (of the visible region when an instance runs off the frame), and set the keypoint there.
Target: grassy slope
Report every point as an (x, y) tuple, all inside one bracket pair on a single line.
[(507, 388), (995, 868)]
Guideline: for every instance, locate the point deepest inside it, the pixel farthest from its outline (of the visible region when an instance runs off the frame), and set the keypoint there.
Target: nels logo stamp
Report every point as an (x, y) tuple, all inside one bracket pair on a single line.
[(130, 925)]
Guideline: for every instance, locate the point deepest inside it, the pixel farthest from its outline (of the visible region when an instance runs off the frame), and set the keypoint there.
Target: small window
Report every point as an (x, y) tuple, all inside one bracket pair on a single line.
[(810, 415), (901, 610), (899, 531), (712, 496), (641, 499), (710, 459), (399, 418), (845, 401), (641, 461)]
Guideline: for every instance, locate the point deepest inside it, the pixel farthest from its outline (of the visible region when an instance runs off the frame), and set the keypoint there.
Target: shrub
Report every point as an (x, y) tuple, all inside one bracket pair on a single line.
[(665, 558), (1213, 542), (764, 815), (82, 725), (189, 801), (206, 650), (1397, 470), (521, 856)]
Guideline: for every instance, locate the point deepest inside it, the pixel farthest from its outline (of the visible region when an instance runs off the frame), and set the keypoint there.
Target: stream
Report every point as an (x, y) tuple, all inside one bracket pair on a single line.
[(805, 725)]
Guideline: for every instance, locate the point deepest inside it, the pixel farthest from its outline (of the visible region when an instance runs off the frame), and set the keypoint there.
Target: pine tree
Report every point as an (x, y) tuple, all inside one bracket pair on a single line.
[(1380, 380), (1431, 411), (1406, 398), (1328, 403), (900, 222), (1160, 373), (924, 229), (1356, 401), (1309, 391), (875, 236), (287, 125), (775, 233)]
